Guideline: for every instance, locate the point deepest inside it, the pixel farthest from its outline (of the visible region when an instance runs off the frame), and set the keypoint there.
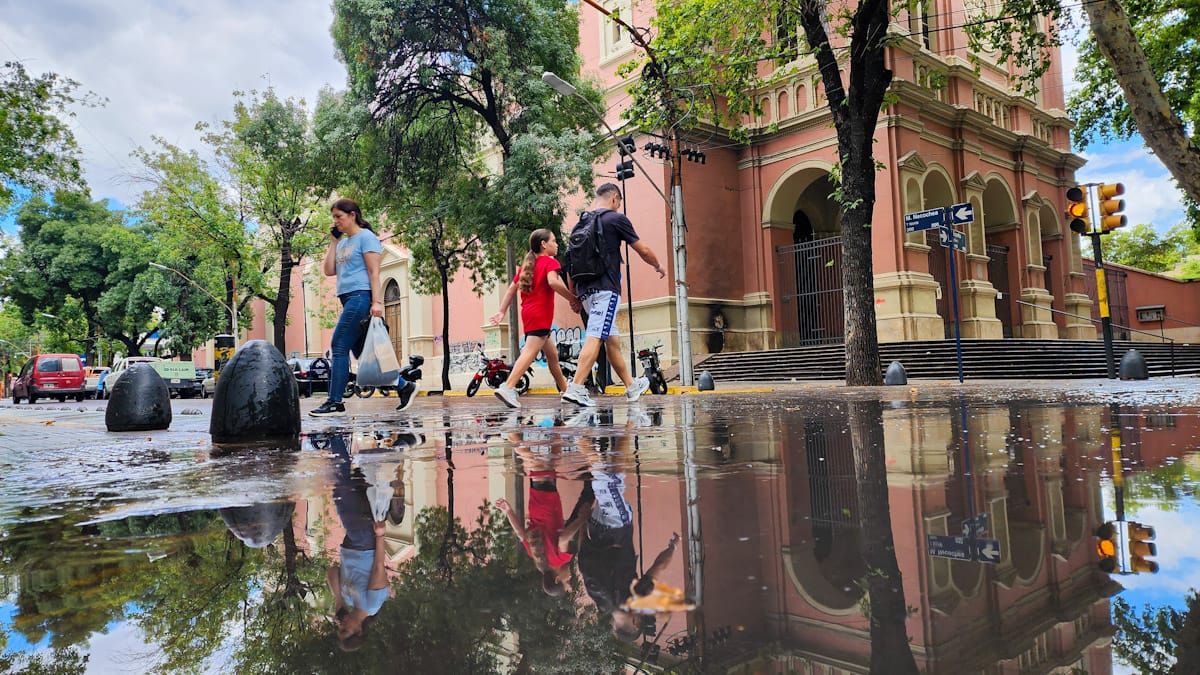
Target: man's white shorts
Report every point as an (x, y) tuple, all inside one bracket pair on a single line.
[(601, 308)]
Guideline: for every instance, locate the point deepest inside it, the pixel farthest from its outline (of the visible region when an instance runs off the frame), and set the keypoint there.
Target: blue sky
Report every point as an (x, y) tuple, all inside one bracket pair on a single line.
[(165, 65)]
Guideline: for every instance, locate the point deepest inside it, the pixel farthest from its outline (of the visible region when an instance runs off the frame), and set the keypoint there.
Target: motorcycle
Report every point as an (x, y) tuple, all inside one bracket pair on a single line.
[(652, 369), (569, 363), (411, 373), (496, 372)]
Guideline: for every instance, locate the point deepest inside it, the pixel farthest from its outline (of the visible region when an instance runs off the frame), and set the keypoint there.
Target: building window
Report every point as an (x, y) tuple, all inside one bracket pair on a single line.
[(787, 34), (615, 40), (921, 23)]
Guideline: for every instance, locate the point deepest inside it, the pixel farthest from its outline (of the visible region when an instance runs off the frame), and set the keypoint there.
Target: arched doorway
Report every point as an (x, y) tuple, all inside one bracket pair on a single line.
[(809, 262), (1001, 231), (391, 316)]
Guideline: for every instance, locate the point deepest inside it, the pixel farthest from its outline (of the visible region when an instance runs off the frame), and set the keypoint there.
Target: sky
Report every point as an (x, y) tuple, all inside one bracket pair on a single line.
[(165, 65)]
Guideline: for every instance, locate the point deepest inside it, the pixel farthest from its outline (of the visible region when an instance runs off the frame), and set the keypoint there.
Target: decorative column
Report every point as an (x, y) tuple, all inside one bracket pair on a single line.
[(1036, 321), (977, 296), (906, 300)]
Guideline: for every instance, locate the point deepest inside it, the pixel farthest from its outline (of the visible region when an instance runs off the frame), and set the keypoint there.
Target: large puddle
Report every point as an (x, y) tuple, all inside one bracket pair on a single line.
[(733, 534)]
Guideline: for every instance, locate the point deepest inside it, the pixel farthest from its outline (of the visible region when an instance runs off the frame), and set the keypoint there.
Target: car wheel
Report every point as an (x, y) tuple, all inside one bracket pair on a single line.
[(60, 399), (32, 398), (16, 400), (79, 398)]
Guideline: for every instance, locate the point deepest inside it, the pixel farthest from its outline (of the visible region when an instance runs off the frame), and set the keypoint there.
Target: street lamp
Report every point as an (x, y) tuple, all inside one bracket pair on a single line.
[(675, 204), (232, 308)]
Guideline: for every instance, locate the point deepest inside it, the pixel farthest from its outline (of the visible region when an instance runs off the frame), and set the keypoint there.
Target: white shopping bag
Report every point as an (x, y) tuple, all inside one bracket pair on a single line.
[(378, 365)]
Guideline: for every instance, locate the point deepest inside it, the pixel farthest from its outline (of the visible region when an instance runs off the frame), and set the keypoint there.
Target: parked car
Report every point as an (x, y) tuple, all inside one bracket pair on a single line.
[(209, 386), (180, 376), (203, 374), (311, 374), (91, 381), (54, 376)]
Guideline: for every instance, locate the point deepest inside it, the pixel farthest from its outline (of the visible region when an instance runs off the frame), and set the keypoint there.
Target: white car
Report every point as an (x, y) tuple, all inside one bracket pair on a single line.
[(91, 384), (119, 369)]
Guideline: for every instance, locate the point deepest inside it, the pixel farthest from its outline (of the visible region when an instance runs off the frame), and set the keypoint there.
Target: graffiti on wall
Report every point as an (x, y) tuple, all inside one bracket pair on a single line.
[(464, 356)]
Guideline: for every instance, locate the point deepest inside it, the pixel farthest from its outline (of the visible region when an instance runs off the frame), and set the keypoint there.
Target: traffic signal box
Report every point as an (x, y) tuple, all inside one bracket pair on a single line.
[(625, 170), (1077, 209), (1110, 208), (1140, 548), (1106, 547)]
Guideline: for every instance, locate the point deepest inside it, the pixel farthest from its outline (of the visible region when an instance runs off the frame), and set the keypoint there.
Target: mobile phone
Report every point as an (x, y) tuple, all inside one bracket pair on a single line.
[(337, 234)]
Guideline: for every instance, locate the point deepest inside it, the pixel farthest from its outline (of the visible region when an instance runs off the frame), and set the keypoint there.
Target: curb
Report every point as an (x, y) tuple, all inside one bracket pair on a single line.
[(612, 390)]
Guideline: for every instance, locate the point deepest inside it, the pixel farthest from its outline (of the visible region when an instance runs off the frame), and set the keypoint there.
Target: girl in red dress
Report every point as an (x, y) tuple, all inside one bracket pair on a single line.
[(538, 279)]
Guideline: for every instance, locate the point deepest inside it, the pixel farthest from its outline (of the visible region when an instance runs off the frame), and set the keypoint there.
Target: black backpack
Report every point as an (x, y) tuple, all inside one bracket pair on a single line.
[(586, 261)]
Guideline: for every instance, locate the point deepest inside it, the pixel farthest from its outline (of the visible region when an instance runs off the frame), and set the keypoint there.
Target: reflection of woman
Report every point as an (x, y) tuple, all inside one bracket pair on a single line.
[(359, 583), (353, 255)]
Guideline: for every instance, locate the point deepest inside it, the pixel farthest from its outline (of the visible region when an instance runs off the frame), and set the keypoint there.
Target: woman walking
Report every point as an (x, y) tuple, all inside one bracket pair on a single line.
[(353, 256), (538, 280)]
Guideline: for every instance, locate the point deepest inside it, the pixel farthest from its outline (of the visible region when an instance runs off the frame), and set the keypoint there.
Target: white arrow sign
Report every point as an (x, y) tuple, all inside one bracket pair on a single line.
[(962, 213), (988, 550)]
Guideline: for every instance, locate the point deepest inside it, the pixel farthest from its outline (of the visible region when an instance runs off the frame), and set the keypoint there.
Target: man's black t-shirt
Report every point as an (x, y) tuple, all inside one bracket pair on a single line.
[(608, 565), (617, 230)]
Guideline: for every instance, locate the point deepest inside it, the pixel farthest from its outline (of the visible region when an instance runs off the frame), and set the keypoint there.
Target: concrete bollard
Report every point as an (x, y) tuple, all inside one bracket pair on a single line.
[(1133, 366), (705, 382), (896, 374), (139, 402), (259, 524), (257, 399)]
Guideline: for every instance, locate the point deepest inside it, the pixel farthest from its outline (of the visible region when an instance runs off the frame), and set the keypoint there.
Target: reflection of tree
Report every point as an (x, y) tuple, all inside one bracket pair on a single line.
[(1163, 487), (1158, 639), (890, 651), (456, 600)]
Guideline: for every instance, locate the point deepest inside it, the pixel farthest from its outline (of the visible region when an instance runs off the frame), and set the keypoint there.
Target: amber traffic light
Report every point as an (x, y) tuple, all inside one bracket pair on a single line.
[(1110, 208), (1077, 209), (1106, 547), (1141, 548)]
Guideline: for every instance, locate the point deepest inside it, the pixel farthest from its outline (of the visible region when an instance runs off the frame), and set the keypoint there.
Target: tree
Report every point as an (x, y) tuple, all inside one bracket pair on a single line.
[(1158, 640), (270, 152), (37, 148), (476, 65), (76, 248), (1139, 70), (1141, 246), (200, 225)]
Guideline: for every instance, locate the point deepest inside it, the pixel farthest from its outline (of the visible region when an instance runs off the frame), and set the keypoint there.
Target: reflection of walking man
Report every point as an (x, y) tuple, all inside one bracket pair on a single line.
[(602, 296)]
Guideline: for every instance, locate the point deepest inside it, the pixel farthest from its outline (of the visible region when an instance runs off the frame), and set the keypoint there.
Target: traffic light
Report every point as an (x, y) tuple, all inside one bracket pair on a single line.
[(1106, 547), (1110, 208), (626, 145), (1141, 547), (625, 170), (1077, 209)]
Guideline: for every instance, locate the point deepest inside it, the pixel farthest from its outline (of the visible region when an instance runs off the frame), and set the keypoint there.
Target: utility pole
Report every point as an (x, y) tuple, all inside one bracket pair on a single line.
[(678, 225)]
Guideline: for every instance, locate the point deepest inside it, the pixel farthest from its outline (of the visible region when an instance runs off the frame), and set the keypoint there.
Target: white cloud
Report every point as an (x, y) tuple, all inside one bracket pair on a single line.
[(166, 65), (1151, 195)]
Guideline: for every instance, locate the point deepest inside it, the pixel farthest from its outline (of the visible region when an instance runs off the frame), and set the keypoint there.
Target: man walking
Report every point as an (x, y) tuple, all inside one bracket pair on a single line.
[(594, 266)]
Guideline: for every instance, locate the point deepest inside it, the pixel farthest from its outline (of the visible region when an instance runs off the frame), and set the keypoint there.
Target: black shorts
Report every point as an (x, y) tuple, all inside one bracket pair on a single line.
[(545, 332)]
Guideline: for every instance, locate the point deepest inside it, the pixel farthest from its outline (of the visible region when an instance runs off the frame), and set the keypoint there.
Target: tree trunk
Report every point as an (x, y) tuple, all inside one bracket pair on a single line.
[(445, 275), (229, 290), (858, 278), (890, 650), (1161, 128), (283, 297)]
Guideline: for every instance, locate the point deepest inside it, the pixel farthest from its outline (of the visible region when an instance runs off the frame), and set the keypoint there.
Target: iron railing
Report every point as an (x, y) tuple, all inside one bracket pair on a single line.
[(1170, 341)]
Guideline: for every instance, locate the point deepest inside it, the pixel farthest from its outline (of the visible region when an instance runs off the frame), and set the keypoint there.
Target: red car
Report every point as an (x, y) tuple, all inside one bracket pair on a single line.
[(50, 376)]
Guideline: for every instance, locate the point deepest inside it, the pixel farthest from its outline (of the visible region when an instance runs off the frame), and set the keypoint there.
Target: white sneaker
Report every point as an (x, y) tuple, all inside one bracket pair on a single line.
[(635, 390), (508, 395), (578, 394), (586, 418)]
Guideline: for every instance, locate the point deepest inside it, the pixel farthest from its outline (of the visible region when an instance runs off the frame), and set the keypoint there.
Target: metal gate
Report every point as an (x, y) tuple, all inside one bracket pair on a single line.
[(811, 292), (998, 276), (1118, 297)]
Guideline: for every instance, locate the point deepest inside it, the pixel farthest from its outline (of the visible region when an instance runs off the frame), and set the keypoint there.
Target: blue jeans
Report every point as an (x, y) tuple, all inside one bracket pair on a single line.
[(348, 336)]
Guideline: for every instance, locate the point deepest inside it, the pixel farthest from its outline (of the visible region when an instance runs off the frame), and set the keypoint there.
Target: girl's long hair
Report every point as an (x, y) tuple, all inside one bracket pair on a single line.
[(537, 239), (351, 206)]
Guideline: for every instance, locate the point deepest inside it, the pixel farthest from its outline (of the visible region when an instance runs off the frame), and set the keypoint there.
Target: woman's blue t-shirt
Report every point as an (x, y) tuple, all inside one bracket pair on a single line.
[(351, 266)]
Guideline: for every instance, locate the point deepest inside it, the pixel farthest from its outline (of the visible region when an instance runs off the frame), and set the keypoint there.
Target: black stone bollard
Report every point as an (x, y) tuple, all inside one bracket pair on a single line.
[(260, 524), (896, 374), (139, 402), (1133, 366), (705, 382), (256, 399)]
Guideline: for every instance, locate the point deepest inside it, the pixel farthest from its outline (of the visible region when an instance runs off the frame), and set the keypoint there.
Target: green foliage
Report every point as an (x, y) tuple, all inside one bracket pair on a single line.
[(1142, 247), (37, 148), (1021, 34), (1158, 639)]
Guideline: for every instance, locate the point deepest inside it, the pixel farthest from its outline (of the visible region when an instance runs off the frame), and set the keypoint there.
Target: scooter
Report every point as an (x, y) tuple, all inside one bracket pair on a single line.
[(496, 372), (410, 373), (652, 369)]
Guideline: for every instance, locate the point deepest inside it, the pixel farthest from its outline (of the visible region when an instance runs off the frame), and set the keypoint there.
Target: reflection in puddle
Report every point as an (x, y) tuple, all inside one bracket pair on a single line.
[(719, 535)]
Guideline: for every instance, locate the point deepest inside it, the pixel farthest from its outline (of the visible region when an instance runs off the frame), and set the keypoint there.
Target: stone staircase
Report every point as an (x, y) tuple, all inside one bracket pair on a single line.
[(934, 359)]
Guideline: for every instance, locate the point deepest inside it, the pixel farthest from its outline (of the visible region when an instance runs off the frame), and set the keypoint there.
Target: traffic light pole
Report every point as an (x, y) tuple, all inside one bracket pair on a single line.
[(1105, 313)]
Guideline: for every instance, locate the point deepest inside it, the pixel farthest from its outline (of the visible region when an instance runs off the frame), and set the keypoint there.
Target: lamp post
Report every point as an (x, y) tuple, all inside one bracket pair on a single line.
[(675, 204), (232, 307)]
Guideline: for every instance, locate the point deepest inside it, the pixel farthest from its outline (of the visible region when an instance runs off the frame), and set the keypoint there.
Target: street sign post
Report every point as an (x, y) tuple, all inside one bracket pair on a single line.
[(963, 548), (922, 220)]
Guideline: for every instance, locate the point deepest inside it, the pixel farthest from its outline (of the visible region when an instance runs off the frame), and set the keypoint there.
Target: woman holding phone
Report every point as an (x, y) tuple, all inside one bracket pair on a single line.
[(353, 256)]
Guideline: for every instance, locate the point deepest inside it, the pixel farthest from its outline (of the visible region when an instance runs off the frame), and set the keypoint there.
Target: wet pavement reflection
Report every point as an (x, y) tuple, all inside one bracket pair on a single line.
[(751, 534)]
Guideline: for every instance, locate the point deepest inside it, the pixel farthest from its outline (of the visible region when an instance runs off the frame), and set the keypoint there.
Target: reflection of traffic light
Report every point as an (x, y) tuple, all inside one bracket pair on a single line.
[(1110, 208), (1106, 547), (625, 170), (1140, 547), (1077, 209)]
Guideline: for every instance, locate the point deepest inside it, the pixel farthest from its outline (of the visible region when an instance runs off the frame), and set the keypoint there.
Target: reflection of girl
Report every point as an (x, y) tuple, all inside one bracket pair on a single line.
[(538, 280), (353, 255)]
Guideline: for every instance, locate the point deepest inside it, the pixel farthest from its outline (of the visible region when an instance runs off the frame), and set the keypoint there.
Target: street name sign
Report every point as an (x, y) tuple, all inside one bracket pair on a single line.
[(960, 239), (922, 220), (961, 214), (976, 526), (963, 548)]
